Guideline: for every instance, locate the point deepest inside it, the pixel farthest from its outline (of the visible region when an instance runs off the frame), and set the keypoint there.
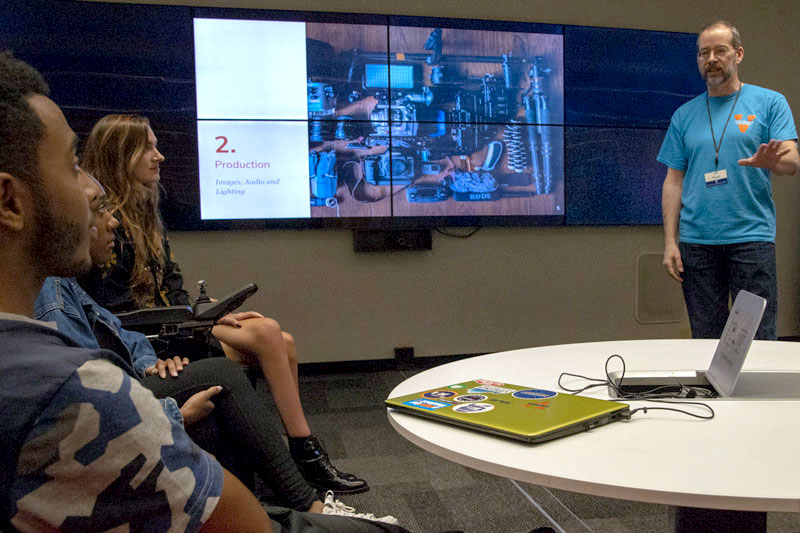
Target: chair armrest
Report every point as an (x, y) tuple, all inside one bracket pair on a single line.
[(223, 306), (155, 316)]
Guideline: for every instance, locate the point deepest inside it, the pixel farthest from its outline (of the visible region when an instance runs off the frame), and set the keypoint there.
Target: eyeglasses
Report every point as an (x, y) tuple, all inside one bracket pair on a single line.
[(705, 53)]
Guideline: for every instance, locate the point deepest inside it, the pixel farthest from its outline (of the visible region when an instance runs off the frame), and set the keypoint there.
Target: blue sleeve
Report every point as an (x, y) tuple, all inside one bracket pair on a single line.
[(170, 407), (57, 302), (142, 353), (781, 122), (673, 152), (103, 455)]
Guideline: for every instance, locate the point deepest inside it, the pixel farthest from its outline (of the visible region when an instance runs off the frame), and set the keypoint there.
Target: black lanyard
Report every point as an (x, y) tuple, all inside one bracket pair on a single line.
[(710, 123)]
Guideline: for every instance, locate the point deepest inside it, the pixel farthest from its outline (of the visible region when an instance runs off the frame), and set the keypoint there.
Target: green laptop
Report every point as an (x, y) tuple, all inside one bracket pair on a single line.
[(523, 413)]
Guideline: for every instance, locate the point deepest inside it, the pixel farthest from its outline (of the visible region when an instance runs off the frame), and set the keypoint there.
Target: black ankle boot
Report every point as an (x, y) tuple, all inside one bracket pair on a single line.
[(313, 462)]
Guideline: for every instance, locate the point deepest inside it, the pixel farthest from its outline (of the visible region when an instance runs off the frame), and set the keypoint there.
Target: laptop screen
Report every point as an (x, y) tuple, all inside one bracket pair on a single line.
[(738, 335)]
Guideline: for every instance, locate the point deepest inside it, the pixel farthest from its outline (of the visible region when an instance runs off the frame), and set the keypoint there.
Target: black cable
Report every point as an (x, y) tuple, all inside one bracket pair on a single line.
[(664, 391), (600, 382), (701, 417), (457, 235), (655, 394)]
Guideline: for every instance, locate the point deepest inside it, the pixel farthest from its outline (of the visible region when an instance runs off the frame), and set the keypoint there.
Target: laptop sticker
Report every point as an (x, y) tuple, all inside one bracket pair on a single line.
[(473, 408), (428, 405), (470, 398), (490, 389), (533, 394), (439, 394)]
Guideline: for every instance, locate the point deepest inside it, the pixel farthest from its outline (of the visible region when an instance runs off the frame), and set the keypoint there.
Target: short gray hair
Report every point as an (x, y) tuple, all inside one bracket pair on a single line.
[(736, 39)]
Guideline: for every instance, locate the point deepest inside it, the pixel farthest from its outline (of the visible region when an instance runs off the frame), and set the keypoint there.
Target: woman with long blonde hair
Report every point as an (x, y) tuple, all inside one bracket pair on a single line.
[(121, 152)]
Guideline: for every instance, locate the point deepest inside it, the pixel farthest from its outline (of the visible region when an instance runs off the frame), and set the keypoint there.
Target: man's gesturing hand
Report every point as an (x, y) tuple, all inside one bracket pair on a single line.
[(768, 156)]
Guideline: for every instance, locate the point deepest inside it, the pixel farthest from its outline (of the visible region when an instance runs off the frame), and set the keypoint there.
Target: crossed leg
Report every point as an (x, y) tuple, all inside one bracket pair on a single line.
[(260, 341), (251, 339)]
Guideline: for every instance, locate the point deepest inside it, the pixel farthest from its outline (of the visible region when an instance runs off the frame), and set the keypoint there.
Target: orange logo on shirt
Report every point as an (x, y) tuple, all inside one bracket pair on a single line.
[(743, 124)]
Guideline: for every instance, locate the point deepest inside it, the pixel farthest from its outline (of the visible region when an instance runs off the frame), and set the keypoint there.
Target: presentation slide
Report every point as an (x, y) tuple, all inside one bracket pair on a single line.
[(299, 120), (253, 169), (250, 69), (252, 133)]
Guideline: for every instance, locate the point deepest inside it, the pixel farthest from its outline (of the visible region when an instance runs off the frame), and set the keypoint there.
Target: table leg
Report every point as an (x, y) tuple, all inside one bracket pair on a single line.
[(694, 520)]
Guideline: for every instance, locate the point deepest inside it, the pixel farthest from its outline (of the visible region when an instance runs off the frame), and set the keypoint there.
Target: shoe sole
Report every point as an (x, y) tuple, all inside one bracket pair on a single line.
[(322, 490)]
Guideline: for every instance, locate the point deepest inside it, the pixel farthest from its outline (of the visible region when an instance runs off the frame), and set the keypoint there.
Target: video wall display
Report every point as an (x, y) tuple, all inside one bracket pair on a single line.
[(300, 119), (622, 87), (610, 183), (388, 120)]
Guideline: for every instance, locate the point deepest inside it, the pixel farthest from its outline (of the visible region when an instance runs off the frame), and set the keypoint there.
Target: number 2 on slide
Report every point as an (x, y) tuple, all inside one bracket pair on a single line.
[(221, 149)]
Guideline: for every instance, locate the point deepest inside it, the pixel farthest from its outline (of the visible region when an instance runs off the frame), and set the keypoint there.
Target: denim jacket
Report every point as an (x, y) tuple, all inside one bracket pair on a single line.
[(78, 316)]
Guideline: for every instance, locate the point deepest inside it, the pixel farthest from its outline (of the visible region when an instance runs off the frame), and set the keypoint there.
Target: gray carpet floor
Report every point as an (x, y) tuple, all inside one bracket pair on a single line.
[(430, 494)]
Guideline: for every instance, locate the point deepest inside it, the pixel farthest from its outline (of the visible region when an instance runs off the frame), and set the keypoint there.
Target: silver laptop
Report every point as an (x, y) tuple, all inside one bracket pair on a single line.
[(724, 377)]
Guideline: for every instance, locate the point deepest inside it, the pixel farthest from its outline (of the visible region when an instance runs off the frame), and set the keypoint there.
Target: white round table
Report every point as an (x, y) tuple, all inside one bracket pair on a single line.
[(745, 459)]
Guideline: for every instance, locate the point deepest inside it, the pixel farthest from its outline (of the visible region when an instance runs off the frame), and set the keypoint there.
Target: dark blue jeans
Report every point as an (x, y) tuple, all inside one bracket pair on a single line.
[(712, 273)]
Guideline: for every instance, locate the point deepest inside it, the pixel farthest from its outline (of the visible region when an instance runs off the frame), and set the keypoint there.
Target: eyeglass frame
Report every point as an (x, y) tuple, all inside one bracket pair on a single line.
[(722, 50)]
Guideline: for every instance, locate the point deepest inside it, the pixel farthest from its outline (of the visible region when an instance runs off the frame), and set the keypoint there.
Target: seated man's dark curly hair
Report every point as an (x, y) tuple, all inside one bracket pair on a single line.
[(21, 130)]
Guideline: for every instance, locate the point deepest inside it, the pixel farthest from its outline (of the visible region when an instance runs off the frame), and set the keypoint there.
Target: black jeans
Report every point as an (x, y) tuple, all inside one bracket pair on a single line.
[(712, 273), (241, 431)]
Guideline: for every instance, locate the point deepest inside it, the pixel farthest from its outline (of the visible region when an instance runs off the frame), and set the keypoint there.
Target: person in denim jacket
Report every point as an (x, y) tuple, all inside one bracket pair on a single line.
[(240, 431), (121, 151)]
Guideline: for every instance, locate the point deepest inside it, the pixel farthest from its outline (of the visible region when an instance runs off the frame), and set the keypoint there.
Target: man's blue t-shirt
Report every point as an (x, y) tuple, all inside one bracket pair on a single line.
[(742, 209)]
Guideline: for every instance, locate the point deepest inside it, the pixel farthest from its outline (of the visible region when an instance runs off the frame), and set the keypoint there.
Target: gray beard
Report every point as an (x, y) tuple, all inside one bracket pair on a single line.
[(716, 80)]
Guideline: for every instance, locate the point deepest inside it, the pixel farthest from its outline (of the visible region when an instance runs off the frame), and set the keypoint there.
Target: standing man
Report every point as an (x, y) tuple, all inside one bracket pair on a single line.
[(720, 149)]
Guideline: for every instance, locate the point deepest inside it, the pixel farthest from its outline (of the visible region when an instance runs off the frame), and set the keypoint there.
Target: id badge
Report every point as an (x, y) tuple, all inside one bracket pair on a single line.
[(718, 177)]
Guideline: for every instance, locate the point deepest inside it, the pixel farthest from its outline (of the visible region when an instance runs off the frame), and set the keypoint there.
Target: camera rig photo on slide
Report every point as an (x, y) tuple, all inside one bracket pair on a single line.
[(446, 122), (389, 121)]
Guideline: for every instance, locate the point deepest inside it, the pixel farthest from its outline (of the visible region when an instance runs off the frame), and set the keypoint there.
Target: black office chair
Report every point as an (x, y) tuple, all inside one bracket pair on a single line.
[(185, 329)]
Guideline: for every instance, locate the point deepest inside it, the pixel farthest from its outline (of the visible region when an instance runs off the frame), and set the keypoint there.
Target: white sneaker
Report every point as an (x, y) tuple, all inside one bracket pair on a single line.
[(336, 507)]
